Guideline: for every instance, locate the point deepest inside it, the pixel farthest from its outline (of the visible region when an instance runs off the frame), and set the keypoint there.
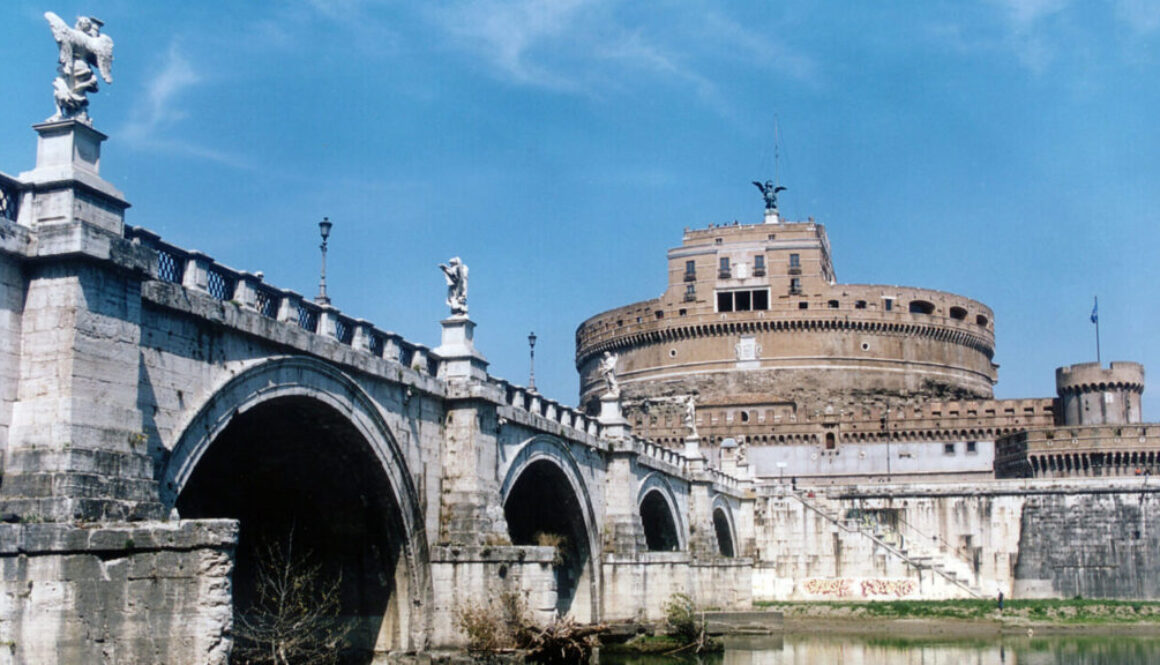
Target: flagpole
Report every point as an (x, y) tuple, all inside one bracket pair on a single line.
[(1096, 320)]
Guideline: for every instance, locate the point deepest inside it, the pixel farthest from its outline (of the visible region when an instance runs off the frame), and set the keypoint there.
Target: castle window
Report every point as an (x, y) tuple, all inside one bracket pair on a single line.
[(759, 265), (833, 304), (860, 304), (690, 295), (682, 312), (761, 299), (948, 449), (724, 267), (795, 286), (744, 416), (958, 313), (921, 307), (831, 441), (660, 314), (741, 301), (795, 260), (888, 304), (972, 447), (724, 301), (803, 305), (717, 241), (690, 271), (772, 236), (981, 320)]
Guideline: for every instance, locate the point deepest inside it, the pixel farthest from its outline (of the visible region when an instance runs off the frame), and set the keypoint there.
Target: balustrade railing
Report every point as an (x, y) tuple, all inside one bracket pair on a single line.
[(194, 270)]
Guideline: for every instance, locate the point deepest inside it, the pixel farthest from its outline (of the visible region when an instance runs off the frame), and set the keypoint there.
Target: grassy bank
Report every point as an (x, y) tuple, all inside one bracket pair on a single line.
[(1074, 611)]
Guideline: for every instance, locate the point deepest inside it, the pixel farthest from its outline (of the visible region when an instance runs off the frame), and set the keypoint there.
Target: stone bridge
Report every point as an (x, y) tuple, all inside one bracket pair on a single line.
[(164, 418)]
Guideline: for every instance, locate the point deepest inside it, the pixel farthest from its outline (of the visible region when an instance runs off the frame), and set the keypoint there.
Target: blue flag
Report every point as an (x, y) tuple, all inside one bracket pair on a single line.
[(1096, 311)]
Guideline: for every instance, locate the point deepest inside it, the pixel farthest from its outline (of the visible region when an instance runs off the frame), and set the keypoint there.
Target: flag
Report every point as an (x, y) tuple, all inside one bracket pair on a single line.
[(1096, 312)]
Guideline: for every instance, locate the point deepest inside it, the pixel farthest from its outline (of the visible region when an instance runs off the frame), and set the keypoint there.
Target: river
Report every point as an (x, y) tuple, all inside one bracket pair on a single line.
[(858, 650)]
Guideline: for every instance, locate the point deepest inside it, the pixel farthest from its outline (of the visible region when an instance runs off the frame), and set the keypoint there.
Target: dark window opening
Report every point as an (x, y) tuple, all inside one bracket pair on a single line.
[(725, 302), (921, 307), (861, 304), (744, 416), (948, 448), (741, 301), (972, 447), (833, 304), (958, 313), (795, 261), (981, 320), (660, 314), (761, 300), (831, 441), (795, 286), (803, 305), (889, 304)]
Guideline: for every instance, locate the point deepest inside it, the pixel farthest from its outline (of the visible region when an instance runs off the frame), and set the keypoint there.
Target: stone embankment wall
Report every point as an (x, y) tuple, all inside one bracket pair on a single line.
[(116, 593), (1095, 545), (1096, 539)]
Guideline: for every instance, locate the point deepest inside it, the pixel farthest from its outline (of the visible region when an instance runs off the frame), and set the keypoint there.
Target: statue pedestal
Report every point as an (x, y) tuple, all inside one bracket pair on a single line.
[(613, 421), (771, 217), (66, 183), (458, 357), (693, 454)]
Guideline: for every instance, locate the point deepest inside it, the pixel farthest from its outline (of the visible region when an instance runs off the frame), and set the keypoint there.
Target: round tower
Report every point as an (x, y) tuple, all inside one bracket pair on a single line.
[(1092, 395)]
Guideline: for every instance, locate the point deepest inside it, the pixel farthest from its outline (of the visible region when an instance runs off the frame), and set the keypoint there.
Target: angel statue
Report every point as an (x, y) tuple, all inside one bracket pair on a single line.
[(769, 191), (81, 49), (608, 373), (691, 415), (455, 271)]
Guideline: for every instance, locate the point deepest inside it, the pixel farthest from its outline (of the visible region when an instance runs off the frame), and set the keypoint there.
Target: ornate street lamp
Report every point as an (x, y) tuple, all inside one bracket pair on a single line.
[(532, 366), (324, 229)]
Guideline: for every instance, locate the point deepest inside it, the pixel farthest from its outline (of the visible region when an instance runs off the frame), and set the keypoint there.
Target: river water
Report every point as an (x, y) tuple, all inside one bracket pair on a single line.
[(858, 650)]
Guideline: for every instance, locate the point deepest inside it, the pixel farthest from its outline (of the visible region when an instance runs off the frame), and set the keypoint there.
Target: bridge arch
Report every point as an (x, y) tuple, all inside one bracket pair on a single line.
[(664, 526), (724, 527), (544, 491), (297, 451)]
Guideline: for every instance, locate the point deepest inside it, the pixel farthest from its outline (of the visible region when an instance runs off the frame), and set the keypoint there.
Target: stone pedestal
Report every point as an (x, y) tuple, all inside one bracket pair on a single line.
[(458, 357), (693, 452), (66, 185), (611, 417), (771, 217)]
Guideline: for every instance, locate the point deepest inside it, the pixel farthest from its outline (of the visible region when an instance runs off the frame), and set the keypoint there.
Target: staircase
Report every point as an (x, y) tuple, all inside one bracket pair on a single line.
[(916, 553)]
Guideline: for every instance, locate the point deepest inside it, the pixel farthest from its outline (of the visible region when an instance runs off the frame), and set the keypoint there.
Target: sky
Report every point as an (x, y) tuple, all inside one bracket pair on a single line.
[(1004, 150)]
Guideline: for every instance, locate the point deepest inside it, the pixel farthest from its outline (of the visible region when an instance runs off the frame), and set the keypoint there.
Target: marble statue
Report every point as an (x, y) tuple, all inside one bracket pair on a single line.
[(81, 49), (455, 271), (608, 372), (691, 416), (769, 191)]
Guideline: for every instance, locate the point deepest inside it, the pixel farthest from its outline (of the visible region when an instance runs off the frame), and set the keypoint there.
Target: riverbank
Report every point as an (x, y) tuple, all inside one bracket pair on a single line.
[(971, 618)]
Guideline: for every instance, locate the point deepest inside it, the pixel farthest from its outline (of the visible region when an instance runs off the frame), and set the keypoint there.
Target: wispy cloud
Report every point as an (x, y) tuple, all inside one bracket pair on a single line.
[(591, 47), (1027, 33), (149, 127)]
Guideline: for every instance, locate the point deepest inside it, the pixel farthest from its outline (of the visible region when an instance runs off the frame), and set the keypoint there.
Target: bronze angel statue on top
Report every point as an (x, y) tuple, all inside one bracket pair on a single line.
[(769, 192), (81, 49)]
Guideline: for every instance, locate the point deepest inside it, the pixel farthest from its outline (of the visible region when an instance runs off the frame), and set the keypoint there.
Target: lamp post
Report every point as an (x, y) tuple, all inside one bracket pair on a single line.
[(324, 229), (532, 361)]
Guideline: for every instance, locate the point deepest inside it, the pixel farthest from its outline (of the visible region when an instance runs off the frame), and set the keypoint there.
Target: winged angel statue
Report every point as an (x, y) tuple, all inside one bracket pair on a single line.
[(81, 48)]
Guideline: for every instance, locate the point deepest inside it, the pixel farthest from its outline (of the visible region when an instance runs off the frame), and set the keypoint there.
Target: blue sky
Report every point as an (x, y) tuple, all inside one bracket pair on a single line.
[(1006, 151)]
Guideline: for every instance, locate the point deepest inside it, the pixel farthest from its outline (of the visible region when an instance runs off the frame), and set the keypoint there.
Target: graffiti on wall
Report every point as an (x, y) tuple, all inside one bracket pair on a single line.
[(896, 588), (870, 588)]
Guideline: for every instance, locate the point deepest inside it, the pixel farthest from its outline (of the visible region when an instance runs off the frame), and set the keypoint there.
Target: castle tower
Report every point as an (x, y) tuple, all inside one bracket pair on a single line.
[(1092, 395)]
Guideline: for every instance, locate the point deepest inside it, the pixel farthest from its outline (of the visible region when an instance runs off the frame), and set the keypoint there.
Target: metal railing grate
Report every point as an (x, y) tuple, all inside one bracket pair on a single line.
[(343, 331), (9, 201), (170, 267), (267, 302), (220, 285), (307, 318)]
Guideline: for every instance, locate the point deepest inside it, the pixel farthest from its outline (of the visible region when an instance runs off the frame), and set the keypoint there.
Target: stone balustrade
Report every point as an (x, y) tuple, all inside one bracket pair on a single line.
[(196, 271)]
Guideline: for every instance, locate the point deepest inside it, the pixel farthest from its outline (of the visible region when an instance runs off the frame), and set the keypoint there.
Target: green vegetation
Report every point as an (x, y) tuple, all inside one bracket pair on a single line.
[(1069, 611)]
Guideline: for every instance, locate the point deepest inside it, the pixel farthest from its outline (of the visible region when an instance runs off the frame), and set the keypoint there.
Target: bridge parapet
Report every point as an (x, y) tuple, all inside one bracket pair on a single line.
[(194, 270)]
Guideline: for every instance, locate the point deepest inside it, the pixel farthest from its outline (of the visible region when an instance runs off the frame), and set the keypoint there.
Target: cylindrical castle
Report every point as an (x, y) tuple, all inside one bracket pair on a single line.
[(753, 315)]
